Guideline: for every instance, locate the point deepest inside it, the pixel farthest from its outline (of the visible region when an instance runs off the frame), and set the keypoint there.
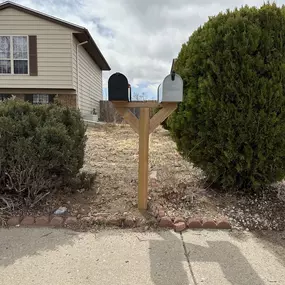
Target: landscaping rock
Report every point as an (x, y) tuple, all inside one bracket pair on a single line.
[(166, 222), (258, 211), (100, 220), (56, 221), (160, 214), (14, 221), (60, 211), (153, 175), (210, 224), (71, 220), (28, 221), (88, 220), (129, 222), (114, 221), (140, 222), (101, 215), (153, 208), (42, 221), (180, 226), (194, 223), (178, 220), (223, 224)]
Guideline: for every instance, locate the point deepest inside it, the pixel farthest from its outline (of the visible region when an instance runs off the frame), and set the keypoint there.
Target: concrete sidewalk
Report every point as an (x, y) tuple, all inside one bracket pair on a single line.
[(49, 256)]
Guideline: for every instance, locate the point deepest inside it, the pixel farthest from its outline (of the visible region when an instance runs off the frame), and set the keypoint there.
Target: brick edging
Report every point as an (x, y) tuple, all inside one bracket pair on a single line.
[(180, 224), (65, 221), (41, 221)]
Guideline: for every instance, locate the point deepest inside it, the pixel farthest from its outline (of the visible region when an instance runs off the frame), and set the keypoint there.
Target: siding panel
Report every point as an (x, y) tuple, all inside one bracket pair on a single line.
[(54, 51), (90, 81), (74, 62)]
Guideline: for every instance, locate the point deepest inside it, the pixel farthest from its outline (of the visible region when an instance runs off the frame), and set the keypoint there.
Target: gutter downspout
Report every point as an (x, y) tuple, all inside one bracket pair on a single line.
[(77, 65)]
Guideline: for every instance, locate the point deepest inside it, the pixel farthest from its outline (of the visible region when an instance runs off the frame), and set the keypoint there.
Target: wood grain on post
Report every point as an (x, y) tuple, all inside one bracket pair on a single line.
[(143, 158)]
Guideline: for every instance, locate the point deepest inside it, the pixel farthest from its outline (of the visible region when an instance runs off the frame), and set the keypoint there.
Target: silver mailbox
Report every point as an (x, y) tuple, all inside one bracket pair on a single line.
[(171, 89), (159, 93)]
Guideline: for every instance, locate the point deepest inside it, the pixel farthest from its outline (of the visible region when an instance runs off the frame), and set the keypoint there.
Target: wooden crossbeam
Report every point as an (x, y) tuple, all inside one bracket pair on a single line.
[(130, 118), (161, 115), (136, 104)]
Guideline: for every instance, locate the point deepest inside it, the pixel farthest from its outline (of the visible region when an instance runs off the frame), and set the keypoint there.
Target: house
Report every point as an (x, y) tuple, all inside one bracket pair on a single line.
[(42, 57)]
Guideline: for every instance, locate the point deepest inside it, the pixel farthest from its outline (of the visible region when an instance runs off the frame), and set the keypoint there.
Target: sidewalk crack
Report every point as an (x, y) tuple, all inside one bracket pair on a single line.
[(188, 260)]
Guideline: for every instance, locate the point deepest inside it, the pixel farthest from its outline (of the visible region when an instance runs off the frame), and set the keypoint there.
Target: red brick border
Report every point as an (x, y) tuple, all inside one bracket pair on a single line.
[(14, 221), (179, 224), (42, 221), (28, 221), (65, 221)]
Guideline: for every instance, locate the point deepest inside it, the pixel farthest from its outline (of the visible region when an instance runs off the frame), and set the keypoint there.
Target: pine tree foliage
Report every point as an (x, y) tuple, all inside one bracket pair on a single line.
[(231, 122)]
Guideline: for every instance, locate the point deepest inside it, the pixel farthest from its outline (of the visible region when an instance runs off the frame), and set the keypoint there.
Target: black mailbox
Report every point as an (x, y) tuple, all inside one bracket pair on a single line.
[(118, 87)]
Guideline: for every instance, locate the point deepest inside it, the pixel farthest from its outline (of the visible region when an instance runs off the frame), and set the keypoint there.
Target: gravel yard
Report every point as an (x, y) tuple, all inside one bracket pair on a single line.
[(112, 152)]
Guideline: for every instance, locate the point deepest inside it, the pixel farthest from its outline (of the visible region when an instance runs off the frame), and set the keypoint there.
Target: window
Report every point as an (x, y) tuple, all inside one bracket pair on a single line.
[(13, 55), (4, 97), (40, 99)]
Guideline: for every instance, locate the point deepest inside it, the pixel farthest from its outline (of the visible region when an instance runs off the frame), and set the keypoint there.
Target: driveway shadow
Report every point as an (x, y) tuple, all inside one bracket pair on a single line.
[(16, 243), (167, 266)]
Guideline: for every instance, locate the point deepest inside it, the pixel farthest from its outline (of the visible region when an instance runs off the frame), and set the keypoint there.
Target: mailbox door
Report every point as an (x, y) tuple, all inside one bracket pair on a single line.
[(118, 87), (172, 90)]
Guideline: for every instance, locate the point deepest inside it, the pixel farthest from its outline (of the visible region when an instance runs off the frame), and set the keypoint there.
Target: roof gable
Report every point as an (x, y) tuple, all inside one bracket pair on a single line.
[(81, 33)]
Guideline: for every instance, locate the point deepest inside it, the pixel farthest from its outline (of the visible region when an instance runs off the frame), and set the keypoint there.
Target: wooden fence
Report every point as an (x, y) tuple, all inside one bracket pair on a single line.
[(109, 114)]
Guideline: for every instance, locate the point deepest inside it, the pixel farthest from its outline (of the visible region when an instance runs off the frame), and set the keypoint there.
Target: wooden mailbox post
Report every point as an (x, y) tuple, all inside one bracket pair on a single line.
[(170, 93)]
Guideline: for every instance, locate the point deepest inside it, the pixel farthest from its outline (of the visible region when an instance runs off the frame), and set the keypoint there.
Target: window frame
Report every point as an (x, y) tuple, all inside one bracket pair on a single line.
[(4, 96), (39, 95), (11, 59)]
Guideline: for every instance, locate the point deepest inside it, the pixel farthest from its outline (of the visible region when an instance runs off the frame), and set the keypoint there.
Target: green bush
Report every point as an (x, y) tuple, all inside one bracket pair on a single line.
[(41, 149), (232, 120)]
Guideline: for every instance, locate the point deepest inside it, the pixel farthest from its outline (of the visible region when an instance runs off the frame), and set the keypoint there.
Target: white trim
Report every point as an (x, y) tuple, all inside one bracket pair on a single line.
[(11, 55), (11, 59), (77, 70)]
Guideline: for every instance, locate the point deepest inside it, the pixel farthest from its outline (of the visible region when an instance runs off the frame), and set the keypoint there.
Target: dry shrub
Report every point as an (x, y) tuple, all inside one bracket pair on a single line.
[(41, 149)]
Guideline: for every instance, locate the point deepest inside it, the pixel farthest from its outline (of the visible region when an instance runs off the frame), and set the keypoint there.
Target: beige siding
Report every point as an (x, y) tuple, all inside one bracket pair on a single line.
[(54, 51), (90, 81), (74, 62)]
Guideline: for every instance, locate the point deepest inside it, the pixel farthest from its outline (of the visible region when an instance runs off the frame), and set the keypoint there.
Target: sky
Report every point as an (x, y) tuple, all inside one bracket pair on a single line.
[(138, 38)]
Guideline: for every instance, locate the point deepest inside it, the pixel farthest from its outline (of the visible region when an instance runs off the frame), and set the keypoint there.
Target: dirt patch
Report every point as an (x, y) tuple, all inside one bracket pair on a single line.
[(112, 152)]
